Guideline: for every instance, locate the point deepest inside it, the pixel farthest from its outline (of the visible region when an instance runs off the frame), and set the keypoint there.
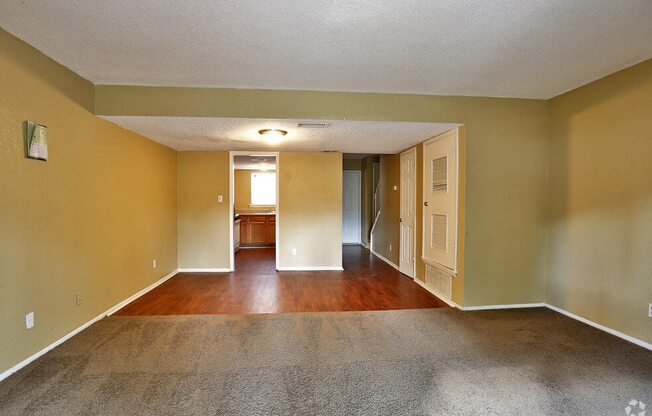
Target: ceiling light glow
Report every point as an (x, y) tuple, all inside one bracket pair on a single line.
[(272, 135)]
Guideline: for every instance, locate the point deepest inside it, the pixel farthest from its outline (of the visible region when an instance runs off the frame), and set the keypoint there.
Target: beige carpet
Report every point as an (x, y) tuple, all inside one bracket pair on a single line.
[(417, 362)]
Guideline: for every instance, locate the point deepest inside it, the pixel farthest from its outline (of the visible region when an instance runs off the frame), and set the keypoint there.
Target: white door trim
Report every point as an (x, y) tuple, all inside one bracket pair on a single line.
[(359, 176), (414, 234), (232, 200)]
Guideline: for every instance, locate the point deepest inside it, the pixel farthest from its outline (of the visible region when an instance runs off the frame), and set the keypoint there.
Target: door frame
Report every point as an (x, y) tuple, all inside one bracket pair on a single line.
[(414, 234), (456, 132), (359, 175), (232, 154)]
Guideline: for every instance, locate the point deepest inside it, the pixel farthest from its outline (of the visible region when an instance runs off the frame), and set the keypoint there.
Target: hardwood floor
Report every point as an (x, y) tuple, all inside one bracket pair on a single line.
[(367, 283)]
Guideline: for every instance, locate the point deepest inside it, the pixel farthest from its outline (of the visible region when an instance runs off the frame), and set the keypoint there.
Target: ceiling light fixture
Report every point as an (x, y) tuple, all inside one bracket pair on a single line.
[(272, 135)]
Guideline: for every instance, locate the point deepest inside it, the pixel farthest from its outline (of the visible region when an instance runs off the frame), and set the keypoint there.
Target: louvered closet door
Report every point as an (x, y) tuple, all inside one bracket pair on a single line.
[(440, 200)]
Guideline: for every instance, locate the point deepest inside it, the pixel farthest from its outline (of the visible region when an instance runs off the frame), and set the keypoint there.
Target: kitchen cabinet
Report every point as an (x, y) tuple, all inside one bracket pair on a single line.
[(257, 230)]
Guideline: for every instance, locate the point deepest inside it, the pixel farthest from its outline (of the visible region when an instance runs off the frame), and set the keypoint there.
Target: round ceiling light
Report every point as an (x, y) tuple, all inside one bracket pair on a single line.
[(272, 135)]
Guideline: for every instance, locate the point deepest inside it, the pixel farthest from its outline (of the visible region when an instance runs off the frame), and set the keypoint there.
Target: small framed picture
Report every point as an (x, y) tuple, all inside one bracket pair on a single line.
[(36, 141)]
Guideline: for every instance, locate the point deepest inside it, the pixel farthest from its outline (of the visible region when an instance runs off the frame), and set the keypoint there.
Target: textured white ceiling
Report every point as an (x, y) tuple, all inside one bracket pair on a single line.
[(500, 48), (212, 133)]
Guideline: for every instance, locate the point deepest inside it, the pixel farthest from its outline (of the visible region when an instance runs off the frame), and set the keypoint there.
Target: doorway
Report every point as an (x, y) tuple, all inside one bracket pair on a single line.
[(351, 207), (407, 220), (254, 206)]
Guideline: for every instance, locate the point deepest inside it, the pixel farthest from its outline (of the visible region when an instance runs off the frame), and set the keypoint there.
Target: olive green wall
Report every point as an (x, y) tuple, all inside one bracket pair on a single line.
[(367, 198), (90, 220), (600, 196), (310, 209), (385, 236), (506, 157), (352, 164)]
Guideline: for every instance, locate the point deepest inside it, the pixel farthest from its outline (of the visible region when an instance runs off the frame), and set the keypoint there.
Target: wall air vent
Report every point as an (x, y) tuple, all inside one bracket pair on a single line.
[(312, 125)]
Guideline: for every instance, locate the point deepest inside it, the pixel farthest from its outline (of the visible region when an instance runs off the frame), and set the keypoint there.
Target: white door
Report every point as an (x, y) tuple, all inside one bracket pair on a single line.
[(440, 200), (351, 207), (408, 211)]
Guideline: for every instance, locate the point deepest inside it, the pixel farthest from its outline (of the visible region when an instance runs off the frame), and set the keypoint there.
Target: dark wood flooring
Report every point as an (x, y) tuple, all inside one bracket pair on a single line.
[(367, 283)]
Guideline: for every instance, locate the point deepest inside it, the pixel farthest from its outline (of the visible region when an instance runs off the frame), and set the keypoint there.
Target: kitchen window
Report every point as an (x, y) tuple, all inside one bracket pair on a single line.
[(263, 188)]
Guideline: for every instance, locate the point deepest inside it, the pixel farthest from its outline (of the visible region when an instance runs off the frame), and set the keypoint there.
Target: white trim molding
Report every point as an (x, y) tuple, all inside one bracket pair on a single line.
[(437, 294), (385, 259), (309, 268), (76, 331), (507, 306), (205, 270), (619, 334)]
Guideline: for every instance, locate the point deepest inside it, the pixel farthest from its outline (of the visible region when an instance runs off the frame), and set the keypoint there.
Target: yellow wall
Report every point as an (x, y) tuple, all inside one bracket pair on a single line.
[(310, 209), (203, 223), (601, 201), (387, 229), (90, 220), (242, 192)]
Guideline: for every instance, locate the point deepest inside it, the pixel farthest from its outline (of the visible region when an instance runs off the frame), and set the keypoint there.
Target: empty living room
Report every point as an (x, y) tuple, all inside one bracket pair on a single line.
[(325, 207)]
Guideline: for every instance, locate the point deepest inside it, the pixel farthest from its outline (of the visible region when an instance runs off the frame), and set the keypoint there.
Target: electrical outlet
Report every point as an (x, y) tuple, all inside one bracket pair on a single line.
[(154, 264), (78, 298), (294, 251), (390, 247), (395, 188), (220, 198), (649, 310), (29, 320)]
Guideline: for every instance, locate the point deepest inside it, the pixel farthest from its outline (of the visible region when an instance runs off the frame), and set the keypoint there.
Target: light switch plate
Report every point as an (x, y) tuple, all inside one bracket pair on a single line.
[(29, 320), (220, 198)]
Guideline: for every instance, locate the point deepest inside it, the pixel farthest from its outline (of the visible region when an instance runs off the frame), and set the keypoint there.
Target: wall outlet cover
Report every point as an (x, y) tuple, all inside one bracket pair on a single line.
[(153, 264), (220, 198), (78, 298)]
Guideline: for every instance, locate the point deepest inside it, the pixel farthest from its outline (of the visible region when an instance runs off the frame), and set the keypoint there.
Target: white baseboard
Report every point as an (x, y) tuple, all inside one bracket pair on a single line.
[(309, 268), (206, 270), (386, 260), (74, 332), (507, 306), (437, 294), (619, 334)]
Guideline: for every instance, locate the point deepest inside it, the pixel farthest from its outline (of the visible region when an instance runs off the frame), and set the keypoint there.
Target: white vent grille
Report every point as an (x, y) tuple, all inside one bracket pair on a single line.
[(438, 230), (440, 174), (439, 281), (312, 125)]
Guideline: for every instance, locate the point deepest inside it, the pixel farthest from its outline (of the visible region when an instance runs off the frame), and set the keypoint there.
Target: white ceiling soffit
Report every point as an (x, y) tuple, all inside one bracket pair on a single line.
[(503, 48), (212, 133)]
